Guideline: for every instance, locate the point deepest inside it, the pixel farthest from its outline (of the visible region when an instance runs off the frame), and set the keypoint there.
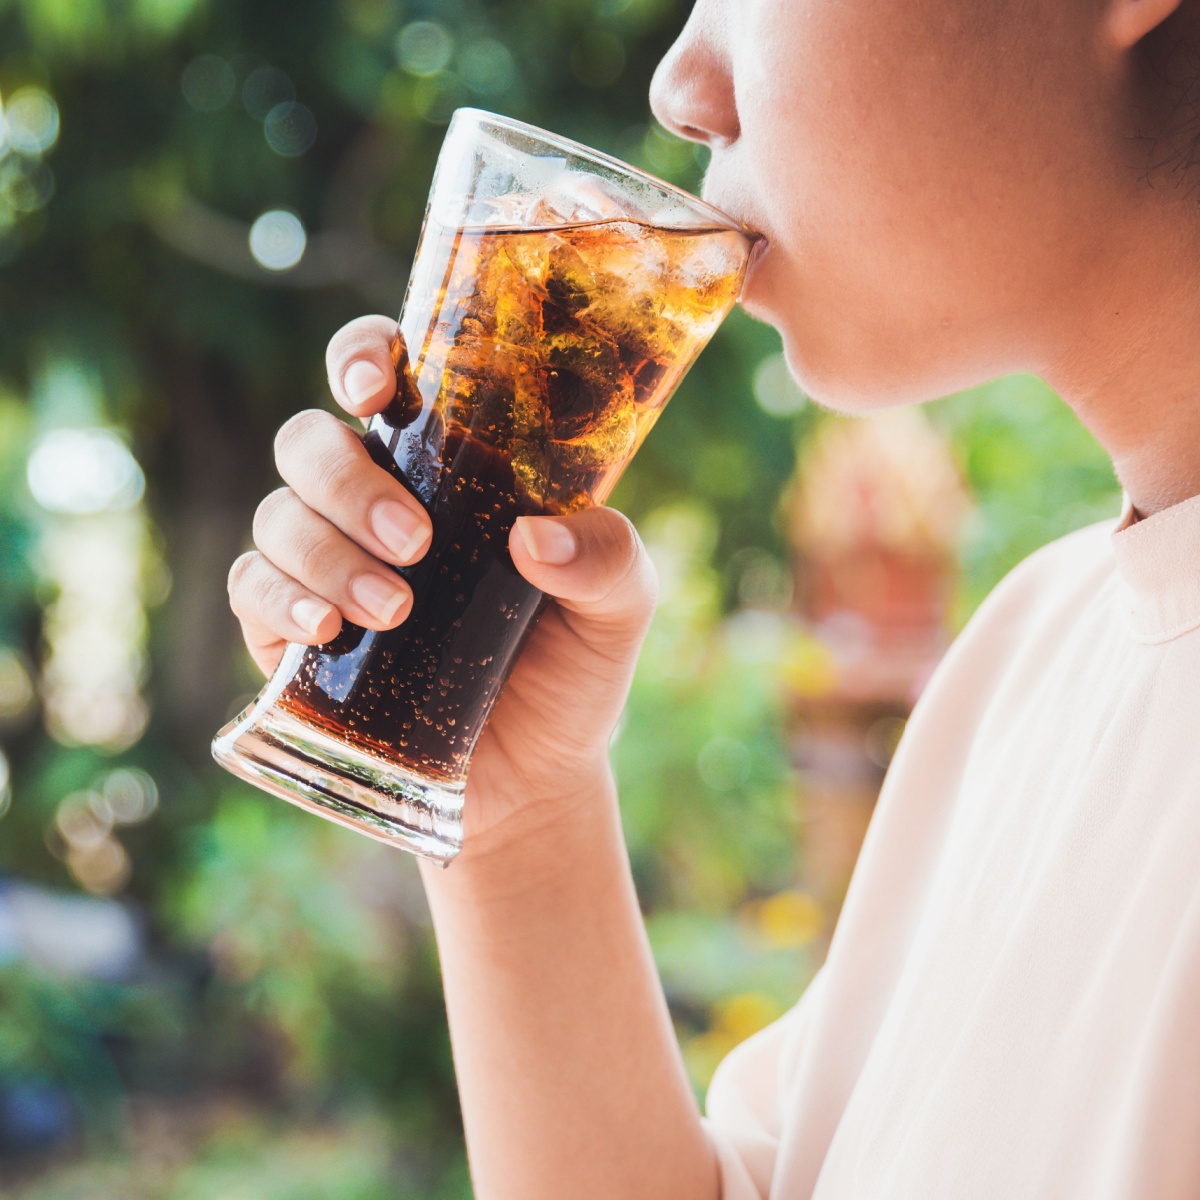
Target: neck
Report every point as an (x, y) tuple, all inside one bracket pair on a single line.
[(1133, 377)]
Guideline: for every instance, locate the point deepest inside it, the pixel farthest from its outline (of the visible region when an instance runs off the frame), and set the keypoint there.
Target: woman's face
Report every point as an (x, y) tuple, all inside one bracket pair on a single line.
[(936, 178)]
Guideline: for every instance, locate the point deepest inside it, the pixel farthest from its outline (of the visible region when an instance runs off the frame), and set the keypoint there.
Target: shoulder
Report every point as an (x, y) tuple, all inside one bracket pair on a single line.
[(994, 665), (1032, 610), (1053, 581)]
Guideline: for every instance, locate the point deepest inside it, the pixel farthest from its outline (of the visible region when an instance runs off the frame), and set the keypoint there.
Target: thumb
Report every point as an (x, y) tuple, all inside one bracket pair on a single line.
[(594, 564)]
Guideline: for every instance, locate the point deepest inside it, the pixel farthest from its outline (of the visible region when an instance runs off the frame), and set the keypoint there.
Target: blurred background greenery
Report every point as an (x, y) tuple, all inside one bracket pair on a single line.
[(204, 993)]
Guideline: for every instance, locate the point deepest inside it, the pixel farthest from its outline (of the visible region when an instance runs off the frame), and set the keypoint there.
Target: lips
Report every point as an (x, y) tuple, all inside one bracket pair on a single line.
[(760, 247), (757, 251)]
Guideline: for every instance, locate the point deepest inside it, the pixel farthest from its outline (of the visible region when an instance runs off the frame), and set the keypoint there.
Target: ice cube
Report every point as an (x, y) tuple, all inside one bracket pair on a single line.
[(631, 255), (583, 376), (703, 265), (607, 442), (639, 325), (631, 267), (552, 267), (573, 198), (492, 389), (531, 468)]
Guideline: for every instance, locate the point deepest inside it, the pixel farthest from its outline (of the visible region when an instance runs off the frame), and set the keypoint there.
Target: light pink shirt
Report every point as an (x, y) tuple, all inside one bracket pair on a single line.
[(1010, 1008)]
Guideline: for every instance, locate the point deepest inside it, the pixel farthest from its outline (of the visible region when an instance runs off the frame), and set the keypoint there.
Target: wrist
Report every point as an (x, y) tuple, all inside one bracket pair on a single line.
[(541, 836)]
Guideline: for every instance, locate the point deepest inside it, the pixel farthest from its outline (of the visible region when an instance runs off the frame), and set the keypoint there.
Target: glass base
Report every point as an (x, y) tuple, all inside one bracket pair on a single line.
[(300, 764)]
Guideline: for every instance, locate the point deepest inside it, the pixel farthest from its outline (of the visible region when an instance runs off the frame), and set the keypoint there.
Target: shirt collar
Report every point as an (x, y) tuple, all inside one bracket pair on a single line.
[(1158, 561)]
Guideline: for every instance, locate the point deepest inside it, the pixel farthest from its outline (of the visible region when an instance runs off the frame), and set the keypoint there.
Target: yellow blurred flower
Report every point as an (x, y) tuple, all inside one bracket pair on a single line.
[(734, 1019), (809, 667), (790, 919), (739, 1016)]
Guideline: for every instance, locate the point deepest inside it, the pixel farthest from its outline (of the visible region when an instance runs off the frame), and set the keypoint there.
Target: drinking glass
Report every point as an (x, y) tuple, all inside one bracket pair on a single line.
[(557, 298)]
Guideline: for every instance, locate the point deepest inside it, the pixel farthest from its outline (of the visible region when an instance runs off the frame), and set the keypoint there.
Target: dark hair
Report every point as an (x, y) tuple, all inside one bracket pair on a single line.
[(1172, 63)]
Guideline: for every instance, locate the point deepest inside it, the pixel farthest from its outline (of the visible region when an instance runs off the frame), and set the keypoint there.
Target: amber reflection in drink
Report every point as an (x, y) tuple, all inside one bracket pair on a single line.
[(540, 360)]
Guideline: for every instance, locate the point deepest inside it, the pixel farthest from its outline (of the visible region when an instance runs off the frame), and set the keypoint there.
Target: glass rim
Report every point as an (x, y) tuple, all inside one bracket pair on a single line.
[(579, 150)]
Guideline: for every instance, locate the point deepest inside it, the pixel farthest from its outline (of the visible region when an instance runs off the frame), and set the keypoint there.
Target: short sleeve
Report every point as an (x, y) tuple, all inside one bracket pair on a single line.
[(744, 1120)]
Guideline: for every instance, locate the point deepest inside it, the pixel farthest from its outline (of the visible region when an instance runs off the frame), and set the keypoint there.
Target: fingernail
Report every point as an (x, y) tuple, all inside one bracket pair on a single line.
[(548, 541), (378, 596), (362, 380), (308, 614), (399, 528)]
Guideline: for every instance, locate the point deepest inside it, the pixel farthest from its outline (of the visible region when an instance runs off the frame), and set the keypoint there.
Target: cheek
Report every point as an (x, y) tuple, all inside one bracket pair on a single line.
[(891, 256)]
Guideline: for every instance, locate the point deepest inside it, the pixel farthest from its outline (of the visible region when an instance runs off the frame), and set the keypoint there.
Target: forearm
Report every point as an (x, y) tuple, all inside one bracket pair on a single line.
[(569, 1073)]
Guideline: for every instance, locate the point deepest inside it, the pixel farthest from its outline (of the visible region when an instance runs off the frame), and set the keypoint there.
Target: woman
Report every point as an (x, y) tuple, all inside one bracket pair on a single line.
[(1010, 1006)]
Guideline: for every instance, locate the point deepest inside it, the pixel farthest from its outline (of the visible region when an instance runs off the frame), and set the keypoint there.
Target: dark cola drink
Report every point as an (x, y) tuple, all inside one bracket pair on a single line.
[(545, 377)]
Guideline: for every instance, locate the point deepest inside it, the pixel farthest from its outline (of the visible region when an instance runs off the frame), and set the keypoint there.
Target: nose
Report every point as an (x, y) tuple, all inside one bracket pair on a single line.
[(692, 92)]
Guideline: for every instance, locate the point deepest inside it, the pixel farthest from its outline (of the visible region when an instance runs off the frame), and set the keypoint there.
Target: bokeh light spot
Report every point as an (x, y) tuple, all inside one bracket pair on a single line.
[(130, 794), (809, 668), (743, 1015), (94, 857), (266, 88), (102, 869), (763, 581), (16, 686), (424, 48), (82, 820), (96, 716), (487, 67), (290, 129), (31, 117), (82, 471), (26, 184), (664, 153), (775, 389), (208, 83), (598, 59), (723, 764), (277, 240)]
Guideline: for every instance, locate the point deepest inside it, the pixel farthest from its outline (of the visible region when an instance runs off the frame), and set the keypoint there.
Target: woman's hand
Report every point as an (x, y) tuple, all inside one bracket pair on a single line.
[(324, 545)]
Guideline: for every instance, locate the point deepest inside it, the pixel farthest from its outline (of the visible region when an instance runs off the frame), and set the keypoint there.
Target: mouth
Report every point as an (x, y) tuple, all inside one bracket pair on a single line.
[(757, 252), (761, 245)]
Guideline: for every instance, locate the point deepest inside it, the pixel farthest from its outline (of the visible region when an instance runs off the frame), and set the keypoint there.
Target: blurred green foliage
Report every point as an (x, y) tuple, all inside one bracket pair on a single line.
[(1035, 472), (283, 1035)]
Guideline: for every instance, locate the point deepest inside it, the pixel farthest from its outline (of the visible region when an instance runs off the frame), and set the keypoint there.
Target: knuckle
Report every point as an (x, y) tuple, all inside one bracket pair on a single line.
[(627, 543), (640, 584), (630, 577), (631, 590), (625, 548), (276, 593), (298, 432), (341, 478), (315, 554)]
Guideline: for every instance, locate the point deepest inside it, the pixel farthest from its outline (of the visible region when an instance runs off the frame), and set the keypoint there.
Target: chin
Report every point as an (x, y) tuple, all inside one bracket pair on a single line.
[(852, 368), (774, 294), (857, 384), (829, 376)]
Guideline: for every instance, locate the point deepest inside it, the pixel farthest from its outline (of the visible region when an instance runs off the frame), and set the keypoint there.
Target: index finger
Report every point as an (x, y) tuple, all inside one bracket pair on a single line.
[(362, 374)]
